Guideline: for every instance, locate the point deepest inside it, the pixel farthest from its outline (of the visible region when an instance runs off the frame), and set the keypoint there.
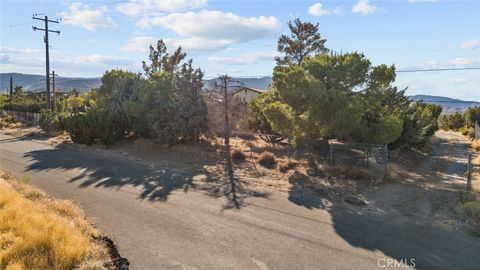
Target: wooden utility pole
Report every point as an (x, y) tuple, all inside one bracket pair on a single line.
[(47, 54), (225, 79), (53, 90)]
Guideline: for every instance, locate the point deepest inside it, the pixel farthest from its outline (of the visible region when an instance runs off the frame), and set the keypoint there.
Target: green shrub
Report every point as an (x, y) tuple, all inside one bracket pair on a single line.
[(451, 121), (464, 130), (49, 121), (472, 211), (95, 124), (472, 115)]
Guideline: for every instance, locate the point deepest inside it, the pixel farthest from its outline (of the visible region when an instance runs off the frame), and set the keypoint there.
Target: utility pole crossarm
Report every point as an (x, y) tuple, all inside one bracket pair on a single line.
[(41, 29), (42, 19), (47, 54)]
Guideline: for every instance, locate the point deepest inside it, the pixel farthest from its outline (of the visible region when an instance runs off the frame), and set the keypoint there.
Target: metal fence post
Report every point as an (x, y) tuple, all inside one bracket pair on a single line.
[(469, 172), (386, 163), (331, 153)]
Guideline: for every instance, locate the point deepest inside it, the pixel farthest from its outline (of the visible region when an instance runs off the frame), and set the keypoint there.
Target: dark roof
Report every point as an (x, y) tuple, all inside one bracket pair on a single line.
[(248, 88)]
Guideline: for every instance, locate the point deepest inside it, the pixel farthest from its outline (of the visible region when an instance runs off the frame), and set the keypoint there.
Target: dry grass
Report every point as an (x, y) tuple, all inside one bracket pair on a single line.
[(476, 145), (286, 165), (347, 172), (6, 121), (238, 155), (471, 134), (476, 175), (470, 201), (39, 232), (267, 159)]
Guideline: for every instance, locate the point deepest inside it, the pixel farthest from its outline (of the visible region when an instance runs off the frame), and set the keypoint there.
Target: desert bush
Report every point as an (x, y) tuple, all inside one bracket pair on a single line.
[(95, 124), (286, 165), (50, 121), (23, 101), (267, 159), (472, 115), (472, 211), (471, 134), (451, 121), (464, 130), (476, 145), (238, 155), (6, 120)]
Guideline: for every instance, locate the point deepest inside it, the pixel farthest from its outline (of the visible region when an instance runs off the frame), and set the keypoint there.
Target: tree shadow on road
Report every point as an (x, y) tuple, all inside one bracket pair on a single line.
[(412, 236), (154, 184), (233, 190)]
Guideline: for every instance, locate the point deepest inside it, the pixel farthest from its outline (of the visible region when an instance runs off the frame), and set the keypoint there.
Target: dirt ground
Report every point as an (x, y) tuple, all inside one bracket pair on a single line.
[(428, 184), (423, 185)]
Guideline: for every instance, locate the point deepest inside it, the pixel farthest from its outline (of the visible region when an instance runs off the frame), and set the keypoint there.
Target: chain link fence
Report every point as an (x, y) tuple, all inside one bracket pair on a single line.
[(372, 159), (352, 160), (25, 117)]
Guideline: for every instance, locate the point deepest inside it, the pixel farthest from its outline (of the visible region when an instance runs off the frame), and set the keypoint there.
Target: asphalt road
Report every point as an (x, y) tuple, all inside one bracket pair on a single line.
[(164, 220)]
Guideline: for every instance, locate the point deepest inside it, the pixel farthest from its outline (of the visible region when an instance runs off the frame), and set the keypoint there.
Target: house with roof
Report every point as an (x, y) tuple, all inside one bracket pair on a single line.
[(247, 94)]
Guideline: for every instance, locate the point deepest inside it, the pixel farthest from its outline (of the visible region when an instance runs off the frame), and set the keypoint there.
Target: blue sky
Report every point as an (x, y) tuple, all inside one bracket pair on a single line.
[(239, 37)]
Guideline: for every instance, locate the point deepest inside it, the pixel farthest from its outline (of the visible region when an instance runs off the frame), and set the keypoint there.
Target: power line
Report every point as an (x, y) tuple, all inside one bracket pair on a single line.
[(19, 24), (438, 69), (47, 54)]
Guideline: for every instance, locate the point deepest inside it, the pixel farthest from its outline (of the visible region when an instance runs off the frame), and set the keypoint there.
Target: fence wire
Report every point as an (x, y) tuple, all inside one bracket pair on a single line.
[(25, 117), (353, 160)]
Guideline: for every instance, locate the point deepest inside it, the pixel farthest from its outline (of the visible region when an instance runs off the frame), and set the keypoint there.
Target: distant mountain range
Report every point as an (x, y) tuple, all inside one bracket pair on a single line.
[(450, 105), (37, 83)]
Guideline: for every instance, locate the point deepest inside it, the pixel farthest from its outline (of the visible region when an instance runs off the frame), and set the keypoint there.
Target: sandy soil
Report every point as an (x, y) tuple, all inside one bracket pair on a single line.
[(426, 186), (429, 185)]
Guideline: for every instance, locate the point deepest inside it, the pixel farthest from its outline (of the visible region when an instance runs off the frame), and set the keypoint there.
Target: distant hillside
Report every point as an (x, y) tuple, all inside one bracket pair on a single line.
[(36, 83), (259, 83), (450, 105)]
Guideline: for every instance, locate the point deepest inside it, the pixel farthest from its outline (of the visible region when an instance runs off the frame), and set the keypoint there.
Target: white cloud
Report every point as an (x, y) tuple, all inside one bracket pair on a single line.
[(463, 62), (363, 7), (189, 45), (4, 58), (18, 50), (139, 44), (65, 62), (81, 15), (207, 30), (211, 24), (140, 7), (470, 44), (245, 59), (435, 64), (197, 44), (101, 60), (318, 10)]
